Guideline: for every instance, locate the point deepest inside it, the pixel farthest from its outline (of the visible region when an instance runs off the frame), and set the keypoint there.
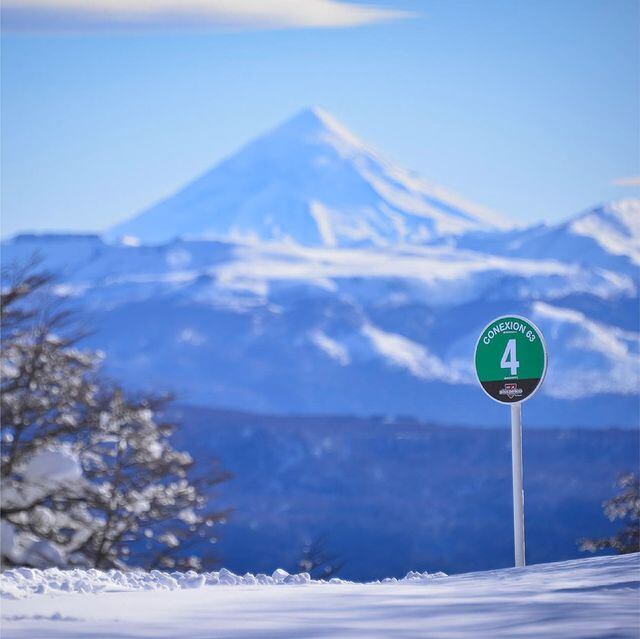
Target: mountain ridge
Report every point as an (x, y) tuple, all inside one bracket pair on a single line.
[(606, 236), (286, 328)]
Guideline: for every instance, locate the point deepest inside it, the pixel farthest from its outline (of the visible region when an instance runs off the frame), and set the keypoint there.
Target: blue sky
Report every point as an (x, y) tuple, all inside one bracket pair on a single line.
[(528, 107)]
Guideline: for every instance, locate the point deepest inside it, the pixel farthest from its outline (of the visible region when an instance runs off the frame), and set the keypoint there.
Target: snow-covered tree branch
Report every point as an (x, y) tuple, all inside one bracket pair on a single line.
[(89, 475)]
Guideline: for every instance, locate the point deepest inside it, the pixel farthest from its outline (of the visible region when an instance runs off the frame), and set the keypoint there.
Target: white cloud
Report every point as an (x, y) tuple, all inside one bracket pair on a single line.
[(89, 15), (627, 181)]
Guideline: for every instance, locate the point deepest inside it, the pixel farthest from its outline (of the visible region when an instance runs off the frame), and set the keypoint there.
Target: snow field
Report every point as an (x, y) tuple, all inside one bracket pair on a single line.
[(582, 599)]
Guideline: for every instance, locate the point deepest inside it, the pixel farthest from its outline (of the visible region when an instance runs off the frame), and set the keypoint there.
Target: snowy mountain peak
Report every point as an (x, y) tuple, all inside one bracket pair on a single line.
[(615, 226), (315, 126), (309, 121), (309, 181)]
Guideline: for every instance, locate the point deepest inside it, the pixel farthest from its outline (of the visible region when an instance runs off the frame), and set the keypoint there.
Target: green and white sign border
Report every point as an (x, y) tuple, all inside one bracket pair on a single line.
[(544, 349)]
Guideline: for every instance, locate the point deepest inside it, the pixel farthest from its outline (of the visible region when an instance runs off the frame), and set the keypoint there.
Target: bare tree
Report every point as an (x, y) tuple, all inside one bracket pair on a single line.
[(89, 475), (626, 507), (151, 507), (46, 391), (45, 381), (318, 561)]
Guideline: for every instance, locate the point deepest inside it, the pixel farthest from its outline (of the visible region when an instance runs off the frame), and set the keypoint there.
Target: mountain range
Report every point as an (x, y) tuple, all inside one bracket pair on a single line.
[(306, 274)]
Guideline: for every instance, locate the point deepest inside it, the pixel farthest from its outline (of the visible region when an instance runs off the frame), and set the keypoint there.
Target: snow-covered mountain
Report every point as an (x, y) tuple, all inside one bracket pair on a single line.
[(305, 274), (287, 328), (614, 227), (310, 181), (606, 236)]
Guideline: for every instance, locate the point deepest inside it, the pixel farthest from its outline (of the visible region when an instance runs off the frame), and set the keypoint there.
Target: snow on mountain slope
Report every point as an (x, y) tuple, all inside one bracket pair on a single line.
[(310, 181), (595, 597), (614, 226), (607, 236), (281, 328), (307, 274), (595, 346)]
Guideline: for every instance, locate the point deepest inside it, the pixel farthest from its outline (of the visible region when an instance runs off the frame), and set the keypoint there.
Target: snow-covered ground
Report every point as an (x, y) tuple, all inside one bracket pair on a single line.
[(587, 598)]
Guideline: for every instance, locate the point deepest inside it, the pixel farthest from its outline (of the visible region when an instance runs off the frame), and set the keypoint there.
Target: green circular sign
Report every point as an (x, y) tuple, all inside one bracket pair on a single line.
[(510, 359)]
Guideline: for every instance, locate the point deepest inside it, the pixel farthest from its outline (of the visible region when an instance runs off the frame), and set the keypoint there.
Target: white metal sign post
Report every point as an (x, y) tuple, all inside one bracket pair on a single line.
[(518, 486), (511, 362)]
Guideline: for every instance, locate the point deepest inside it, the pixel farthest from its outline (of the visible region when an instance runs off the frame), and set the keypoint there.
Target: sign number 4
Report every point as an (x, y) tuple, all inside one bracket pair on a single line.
[(517, 336), (509, 358)]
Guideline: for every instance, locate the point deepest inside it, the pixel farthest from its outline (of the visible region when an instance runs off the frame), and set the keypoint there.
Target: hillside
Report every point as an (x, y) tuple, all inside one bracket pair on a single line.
[(388, 496)]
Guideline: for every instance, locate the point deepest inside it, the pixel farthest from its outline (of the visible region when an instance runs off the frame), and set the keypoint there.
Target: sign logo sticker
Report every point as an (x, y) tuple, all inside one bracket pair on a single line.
[(511, 391)]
